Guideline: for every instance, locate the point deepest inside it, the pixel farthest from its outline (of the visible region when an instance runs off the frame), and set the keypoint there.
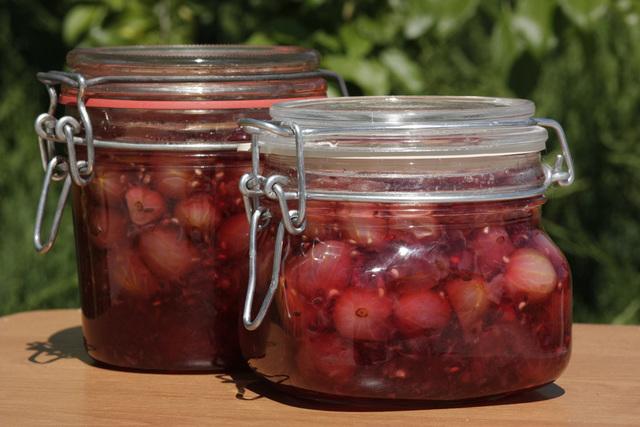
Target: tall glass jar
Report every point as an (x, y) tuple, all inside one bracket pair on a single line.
[(410, 262), (160, 225)]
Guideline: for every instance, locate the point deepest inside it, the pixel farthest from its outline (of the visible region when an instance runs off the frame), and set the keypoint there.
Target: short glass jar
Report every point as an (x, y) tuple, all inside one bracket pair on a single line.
[(160, 225), (410, 262)]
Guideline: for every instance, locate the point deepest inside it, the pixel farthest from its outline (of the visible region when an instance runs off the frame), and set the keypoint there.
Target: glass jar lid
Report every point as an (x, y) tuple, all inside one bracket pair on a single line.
[(432, 126), (406, 149), (192, 60)]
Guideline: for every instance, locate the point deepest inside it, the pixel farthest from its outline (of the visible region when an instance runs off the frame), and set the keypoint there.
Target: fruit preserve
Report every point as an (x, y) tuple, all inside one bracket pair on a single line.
[(416, 267), (160, 226)]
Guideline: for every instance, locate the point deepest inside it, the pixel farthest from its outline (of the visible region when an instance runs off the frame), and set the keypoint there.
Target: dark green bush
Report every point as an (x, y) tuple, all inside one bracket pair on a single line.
[(579, 60)]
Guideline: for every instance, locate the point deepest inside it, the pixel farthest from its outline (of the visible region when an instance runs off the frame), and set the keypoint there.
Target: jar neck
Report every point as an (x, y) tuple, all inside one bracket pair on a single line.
[(453, 179)]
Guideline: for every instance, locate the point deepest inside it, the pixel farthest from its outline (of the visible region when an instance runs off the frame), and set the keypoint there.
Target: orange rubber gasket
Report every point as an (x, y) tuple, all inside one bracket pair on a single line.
[(179, 105)]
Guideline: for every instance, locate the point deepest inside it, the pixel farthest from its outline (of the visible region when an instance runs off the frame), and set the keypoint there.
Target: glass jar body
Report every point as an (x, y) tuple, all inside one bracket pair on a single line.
[(416, 302), (161, 238)]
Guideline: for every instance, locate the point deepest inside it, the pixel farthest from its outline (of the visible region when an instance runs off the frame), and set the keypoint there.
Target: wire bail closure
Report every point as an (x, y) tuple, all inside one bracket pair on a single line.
[(253, 186), (57, 170), (51, 130)]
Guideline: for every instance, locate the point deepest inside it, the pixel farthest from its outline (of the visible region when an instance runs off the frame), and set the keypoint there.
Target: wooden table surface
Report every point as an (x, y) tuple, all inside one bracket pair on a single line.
[(47, 378)]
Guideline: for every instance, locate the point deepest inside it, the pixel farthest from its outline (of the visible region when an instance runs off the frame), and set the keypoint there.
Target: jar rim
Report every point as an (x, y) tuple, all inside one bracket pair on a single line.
[(194, 59), (401, 110)]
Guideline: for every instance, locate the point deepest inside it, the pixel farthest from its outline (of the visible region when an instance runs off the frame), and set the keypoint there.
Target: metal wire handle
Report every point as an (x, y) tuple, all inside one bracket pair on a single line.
[(51, 130), (50, 176), (254, 225)]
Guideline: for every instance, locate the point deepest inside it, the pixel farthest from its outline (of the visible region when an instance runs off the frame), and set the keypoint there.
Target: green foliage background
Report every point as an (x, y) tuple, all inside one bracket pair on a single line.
[(579, 60)]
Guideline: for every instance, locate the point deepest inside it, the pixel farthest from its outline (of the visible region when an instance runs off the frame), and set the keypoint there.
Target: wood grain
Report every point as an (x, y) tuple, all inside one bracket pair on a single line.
[(46, 378)]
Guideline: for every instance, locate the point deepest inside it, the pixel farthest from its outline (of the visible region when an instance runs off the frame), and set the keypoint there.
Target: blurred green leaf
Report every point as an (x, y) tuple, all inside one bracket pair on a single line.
[(355, 44), (584, 13), (326, 41), (370, 75), (533, 21), (80, 20), (505, 45), (403, 69), (378, 31), (445, 16)]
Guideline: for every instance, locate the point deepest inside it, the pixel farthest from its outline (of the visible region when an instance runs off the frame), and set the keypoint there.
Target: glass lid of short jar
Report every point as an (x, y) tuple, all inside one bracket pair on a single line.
[(446, 148)]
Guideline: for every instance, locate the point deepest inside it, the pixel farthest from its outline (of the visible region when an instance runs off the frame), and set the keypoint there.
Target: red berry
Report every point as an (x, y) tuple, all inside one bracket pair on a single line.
[(327, 358), (144, 205), (300, 317), (418, 311), (369, 272), (462, 261), (469, 299), (363, 224), (321, 222), (421, 266), (233, 237), (504, 343), (108, 187), (363, 314), (107, 226), (128, 274), (414, 224), (174, 183), (492, 246), (495, 288), (167, 252), (198, 215), (530, 274), (323, 270), (540, 240)]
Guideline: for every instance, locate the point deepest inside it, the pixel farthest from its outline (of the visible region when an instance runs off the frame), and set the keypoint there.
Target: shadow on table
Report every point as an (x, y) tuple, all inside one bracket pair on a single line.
[(249, 387), (64, 344)]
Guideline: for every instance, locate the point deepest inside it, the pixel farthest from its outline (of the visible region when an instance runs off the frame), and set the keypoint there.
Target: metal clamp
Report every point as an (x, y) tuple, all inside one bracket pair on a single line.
[(254, 185), (557, 173), (51, 174), (51, 130), (254, 226)]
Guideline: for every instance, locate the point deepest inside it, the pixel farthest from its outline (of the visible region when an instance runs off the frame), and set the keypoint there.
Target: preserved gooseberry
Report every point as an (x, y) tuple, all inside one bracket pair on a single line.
[(144, 205)]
